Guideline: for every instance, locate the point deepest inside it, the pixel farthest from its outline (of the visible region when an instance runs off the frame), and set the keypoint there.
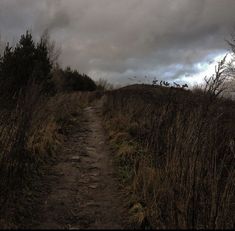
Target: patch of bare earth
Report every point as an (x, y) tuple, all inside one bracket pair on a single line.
[(80, 190)]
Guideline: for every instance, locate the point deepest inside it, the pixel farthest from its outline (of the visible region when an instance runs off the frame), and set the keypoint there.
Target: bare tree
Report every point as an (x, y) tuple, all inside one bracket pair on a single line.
[(176, 84), (53, 49), (154, 82), (231, 67), (184, 86), (2, 45), (216, 83)]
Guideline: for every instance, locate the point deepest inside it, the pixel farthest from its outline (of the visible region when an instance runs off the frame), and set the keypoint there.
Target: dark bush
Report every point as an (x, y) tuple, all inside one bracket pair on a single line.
[(72, 80), (26, 61)]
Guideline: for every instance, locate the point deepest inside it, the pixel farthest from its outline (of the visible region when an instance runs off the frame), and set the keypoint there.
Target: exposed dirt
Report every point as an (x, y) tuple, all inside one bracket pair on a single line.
[(80, 190)]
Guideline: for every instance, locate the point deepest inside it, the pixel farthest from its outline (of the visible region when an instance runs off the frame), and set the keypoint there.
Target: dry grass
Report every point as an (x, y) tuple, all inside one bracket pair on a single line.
[(30, 136), (181, 170), (50, 122)]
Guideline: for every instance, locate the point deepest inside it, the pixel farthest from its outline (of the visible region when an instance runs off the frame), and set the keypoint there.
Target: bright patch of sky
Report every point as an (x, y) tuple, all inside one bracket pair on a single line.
[(205, 69)]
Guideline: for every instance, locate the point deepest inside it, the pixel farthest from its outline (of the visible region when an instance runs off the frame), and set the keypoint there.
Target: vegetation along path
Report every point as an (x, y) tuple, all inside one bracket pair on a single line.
[(83, 189)]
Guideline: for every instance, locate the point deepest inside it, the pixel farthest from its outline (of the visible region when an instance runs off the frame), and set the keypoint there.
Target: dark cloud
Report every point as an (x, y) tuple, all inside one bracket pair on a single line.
[(116, 39)]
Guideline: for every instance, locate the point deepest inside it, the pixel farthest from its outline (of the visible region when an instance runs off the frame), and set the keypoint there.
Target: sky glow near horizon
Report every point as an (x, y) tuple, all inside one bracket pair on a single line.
[(172, 40)]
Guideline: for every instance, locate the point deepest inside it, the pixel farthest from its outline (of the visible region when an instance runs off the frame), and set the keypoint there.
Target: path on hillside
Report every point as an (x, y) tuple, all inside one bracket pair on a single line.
[(82, 190)]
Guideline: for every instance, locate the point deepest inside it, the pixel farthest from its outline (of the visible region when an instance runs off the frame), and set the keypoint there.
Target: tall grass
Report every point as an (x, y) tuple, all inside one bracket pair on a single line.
[(181, 161), (30, 136)]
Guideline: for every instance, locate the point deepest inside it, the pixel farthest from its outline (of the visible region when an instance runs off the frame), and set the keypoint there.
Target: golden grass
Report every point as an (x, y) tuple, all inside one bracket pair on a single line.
[(45, 135), (29, 137), (181, 169)]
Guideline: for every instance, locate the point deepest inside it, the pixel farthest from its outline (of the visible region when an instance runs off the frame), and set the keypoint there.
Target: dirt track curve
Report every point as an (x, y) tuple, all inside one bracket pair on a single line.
[(82, 191)]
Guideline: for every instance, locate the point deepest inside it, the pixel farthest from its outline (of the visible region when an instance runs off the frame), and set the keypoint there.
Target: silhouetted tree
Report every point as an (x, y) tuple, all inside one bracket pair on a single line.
[(7, 62), (74, 81), (25, 62)]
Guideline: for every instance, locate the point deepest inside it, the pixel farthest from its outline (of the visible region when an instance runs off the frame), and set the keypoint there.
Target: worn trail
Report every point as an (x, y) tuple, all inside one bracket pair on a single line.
[(81, 190)]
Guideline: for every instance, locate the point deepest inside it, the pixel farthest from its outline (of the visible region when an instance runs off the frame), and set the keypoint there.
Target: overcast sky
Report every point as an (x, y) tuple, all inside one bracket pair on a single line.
[(117, 39)]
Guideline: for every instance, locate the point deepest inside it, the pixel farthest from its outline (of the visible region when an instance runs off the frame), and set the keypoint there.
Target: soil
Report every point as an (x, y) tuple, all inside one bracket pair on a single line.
[(80, 190)]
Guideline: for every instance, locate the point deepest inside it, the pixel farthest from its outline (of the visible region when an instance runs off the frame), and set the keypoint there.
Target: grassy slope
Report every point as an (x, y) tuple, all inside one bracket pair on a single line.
[(28, 144), (175, 151)]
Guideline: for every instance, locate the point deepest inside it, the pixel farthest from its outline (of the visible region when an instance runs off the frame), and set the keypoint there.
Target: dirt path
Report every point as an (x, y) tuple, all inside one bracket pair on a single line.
[(82, 192)]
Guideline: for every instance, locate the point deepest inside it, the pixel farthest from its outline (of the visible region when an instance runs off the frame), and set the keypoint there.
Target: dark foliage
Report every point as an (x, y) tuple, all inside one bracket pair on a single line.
[(72, 80), (26, 61)]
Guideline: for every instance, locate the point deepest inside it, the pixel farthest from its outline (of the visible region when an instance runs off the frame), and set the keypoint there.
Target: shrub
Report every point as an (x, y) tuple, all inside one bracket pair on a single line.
[(103, 85), (72, 80)]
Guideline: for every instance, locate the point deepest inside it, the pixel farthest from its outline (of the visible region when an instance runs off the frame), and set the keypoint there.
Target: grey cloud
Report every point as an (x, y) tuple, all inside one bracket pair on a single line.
[(116, 39), (54, 17)]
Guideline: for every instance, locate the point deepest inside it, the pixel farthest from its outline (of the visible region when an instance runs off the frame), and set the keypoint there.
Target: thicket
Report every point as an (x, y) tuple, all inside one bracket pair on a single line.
[(71, 80)]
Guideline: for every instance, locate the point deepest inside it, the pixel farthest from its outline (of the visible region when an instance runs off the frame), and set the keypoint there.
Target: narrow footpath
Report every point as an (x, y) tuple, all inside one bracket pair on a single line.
[(80, 190)]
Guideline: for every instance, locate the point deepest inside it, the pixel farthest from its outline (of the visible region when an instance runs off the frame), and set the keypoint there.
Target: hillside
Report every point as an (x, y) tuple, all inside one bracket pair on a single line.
[(175, 151), (139, 156)]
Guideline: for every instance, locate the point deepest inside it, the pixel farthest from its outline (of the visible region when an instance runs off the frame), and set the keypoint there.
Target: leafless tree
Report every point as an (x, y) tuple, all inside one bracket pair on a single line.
[(215, 84), (165, 83), (185, 86), (176, 84), (155, 81), (2, 45), (54, 50)]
